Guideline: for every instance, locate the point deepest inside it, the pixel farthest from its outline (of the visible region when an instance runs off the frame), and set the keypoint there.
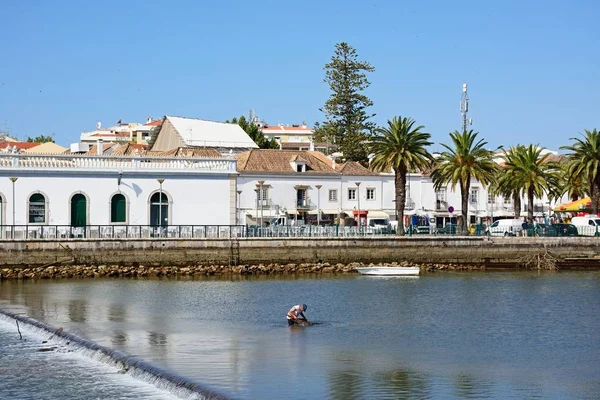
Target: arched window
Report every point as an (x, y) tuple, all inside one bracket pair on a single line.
[(118, 209), (159, 209), (37, 209)]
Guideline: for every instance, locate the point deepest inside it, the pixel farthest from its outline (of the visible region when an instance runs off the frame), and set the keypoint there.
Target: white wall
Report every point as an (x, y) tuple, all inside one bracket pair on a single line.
[(194, 199)]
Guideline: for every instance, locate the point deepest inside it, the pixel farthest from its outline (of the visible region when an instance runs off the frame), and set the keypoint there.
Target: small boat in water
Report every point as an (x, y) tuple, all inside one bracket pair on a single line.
[(388, 271)]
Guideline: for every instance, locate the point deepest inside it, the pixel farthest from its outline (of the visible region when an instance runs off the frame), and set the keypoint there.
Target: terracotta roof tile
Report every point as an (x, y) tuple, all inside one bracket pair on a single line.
[(187, 152), (353, 168), (93, 149), (20, 145), (279, 161)]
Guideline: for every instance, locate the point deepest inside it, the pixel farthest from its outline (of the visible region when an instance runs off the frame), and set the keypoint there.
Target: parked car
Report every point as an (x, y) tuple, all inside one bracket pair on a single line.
[(566, 230), (380, 225), (449, 229), (587, 226), (505, 227), (418, 230), (541, 230)]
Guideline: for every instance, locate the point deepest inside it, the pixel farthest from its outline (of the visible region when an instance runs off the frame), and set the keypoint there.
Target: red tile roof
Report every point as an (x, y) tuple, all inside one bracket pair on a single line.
[(279, 161), (157, 122), (20, 145)]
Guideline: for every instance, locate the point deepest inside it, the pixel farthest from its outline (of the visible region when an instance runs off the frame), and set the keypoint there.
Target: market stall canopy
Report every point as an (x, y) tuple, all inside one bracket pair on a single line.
[(378, 214), (574, 206)]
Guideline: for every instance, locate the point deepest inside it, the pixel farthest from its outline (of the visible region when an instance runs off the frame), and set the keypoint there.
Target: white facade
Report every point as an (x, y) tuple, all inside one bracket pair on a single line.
[(198, 191), (375, 194)]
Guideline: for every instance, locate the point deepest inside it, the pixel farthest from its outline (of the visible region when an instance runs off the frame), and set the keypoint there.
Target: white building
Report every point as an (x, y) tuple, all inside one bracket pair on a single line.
[(298, 184), (79, 191), (294, 137), (121, 133)]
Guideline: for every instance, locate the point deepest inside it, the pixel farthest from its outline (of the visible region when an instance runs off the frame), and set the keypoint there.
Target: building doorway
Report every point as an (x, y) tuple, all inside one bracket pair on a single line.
[(78, 210)]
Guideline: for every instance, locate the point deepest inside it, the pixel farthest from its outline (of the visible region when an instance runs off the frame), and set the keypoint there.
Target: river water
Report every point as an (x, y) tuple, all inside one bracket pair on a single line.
[(493, 335)]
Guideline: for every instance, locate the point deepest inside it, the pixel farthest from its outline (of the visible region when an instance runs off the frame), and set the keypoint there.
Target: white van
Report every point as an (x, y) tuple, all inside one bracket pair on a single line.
[(587, 226), (505, 227)]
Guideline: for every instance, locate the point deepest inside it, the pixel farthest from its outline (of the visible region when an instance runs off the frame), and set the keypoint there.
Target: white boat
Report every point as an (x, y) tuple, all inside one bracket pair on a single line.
[(388, 270)]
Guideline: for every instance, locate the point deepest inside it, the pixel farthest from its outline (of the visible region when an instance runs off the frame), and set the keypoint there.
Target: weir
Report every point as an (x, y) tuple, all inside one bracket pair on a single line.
[(179, 386)]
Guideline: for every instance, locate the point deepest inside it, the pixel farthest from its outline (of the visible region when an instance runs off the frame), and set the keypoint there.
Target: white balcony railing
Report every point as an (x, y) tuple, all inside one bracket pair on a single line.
[(36, 162)]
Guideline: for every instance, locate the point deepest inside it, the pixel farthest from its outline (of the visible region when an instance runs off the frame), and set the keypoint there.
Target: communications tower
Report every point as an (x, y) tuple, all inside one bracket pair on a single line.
[(464, 108)]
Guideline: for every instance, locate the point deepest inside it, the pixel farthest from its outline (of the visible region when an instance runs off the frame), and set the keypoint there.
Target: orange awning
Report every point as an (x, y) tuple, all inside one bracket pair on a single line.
[(574, 206)]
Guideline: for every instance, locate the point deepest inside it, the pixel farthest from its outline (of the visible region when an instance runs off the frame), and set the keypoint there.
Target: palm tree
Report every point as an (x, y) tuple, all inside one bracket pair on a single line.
[(400, 147), (585, 158), (467, 159), (504, 185), (530, 172), (575, 184)]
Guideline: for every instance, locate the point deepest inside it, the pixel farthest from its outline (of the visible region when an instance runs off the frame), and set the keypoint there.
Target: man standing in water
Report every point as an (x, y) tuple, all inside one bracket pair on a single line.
[(296, 315)]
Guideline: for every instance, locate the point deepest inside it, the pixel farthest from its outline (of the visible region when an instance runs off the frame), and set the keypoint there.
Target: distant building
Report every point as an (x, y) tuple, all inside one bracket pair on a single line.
[(122, 132), (294, 137), (191, 132)]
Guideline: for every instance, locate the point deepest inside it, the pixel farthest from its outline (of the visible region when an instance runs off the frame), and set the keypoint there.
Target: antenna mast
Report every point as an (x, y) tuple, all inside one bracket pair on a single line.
[(464, 108)]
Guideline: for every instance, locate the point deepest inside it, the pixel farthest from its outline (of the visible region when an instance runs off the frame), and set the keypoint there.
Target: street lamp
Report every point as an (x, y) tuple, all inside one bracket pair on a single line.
[(318, 204), (261, 197), (13, 180), (160, 222), (358, 198), (239, 213), (119, 180), (257, 191)]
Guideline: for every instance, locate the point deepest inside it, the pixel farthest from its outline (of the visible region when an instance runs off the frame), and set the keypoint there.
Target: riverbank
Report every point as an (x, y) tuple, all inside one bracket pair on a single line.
[(255, 255), (143, 271)]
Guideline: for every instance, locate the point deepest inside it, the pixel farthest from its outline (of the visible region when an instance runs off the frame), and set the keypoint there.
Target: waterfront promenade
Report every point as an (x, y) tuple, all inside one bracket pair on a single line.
[(483, 252)]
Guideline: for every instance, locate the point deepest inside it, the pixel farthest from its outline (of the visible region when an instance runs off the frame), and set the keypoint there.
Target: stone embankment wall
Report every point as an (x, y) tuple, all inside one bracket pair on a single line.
[(470, 251)]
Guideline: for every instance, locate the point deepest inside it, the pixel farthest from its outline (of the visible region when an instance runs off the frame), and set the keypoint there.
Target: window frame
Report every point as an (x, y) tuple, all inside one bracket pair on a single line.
[(333, 198), (353, 196), (45, 209), (372, 190)]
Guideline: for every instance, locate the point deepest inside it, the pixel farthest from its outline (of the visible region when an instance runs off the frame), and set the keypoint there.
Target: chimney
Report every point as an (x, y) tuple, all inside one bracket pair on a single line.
[(149, 120), (99, 147), (312, 145)]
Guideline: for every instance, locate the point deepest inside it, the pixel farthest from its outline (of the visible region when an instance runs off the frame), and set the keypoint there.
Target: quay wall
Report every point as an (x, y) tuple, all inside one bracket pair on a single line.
[(481, 251)]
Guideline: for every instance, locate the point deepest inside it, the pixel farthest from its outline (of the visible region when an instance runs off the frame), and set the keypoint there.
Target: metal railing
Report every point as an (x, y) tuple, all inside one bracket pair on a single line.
[(66, 232), (10, 232)]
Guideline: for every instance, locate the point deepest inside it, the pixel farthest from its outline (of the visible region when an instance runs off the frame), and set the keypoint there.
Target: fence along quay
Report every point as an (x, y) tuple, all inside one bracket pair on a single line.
[(184, 245)]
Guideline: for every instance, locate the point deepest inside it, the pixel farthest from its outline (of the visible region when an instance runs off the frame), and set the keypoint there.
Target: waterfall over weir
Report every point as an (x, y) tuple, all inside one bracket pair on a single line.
[(139, 369)]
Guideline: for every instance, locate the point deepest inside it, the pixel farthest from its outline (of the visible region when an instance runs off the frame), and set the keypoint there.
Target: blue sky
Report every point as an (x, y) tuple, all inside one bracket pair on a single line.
[(533, 67)]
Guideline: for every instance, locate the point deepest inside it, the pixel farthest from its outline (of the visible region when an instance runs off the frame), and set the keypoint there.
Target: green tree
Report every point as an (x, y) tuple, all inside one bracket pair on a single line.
[(401, 147), (584, 158), (504, 184), (40, 139), (574, 183), (467, 159), (255, 133), (347, 122), (530, 171)]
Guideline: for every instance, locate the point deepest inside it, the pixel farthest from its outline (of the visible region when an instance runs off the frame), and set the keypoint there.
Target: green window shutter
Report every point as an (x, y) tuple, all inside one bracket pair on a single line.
[(118, 208), (78, 210)]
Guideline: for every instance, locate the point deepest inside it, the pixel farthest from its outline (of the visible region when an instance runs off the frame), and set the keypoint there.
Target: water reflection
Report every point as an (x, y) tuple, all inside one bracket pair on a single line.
[(345, 384), (441, 336), (77, 310), (117, 312), (402, 384), (118, 339)]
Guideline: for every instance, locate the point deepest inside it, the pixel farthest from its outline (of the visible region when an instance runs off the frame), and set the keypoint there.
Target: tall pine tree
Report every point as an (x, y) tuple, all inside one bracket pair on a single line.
[(347, 122)]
